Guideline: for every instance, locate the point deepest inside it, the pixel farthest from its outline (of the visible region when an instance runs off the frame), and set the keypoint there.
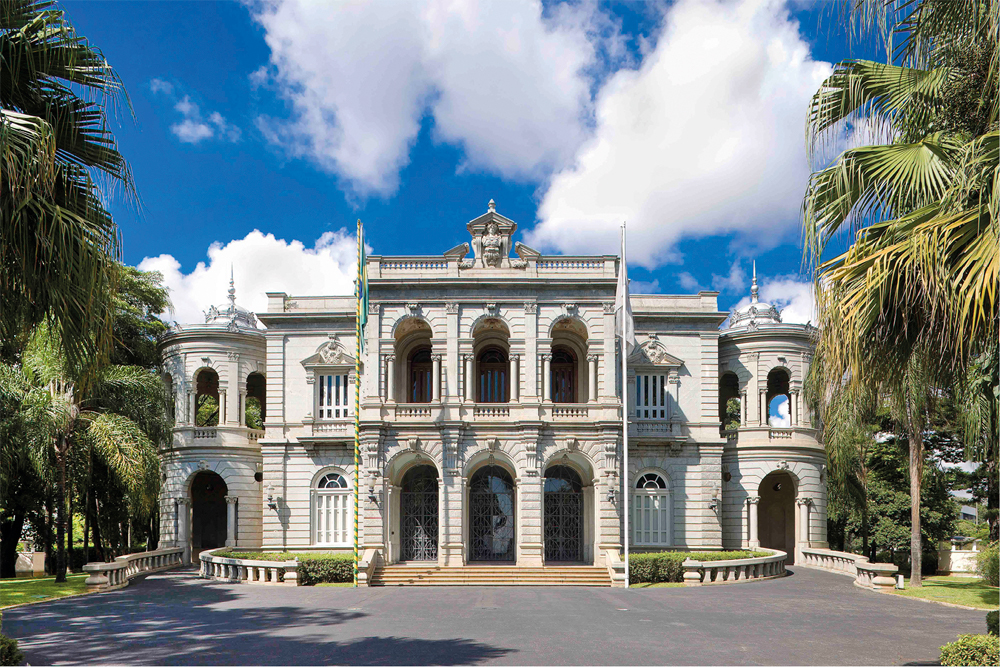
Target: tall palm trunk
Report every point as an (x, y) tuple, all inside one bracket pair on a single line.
[(916, 478), (61, 514)]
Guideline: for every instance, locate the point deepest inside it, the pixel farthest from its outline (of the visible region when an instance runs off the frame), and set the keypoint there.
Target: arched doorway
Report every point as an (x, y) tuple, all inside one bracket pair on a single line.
[(777, 513), (563, 515), (208, 511), (492, 521), (255, 410), (418, 514)]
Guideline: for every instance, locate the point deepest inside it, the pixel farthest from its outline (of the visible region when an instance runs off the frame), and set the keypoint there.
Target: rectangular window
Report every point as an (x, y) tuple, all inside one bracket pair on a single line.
[(333, 397), (651, 396)]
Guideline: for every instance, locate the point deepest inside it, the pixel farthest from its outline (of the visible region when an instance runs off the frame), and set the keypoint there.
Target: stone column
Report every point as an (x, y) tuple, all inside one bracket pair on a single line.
[(436, 359), (546, 377), (241, 410), (184, 527), (592, 378), (752, 503), (390, 377), (803, 504), (231, 520), (628, 401), (190, 407), (763, 407), (470, 395), (743, 408), (515, 377), (793, 408), (674, 380)]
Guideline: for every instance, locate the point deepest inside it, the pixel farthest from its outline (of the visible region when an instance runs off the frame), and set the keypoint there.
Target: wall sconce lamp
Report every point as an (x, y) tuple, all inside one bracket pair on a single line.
[(271, 502), (611, 495), (372, 496)]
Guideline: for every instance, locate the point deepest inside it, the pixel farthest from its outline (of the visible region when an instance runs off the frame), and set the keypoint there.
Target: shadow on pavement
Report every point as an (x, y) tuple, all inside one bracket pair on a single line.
[(140, 625)]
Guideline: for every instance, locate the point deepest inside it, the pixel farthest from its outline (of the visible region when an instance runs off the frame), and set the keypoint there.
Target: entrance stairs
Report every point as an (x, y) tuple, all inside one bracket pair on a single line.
[(490, 575)]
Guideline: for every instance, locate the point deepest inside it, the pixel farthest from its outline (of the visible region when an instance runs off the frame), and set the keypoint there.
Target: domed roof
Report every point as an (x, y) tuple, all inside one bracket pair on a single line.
[(234, 317), (755, 313)]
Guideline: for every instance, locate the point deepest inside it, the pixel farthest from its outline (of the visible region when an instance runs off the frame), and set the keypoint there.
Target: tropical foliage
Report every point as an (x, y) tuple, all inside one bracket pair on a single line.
[(59, 166), (909, 309)]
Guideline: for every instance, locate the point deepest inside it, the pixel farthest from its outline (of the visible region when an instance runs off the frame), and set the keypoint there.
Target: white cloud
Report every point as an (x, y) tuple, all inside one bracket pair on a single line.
[(687, 281), (193, 126), (735, 280), (644, 286), (792, 296), (704, 138), (507, 82), (779, 416), (261, 263)]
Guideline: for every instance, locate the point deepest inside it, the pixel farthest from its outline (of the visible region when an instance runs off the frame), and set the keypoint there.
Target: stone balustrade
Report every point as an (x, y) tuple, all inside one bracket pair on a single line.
[(877, 576), (616, 568), (215, 565), (367, 565), (206, 433), (413, 411), (491, 411), (570, 411), (110, 576), (742, 570)]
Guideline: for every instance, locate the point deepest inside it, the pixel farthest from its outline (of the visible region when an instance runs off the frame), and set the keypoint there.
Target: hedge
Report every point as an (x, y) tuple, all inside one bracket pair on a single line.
[(651, 568), (992, 621), (314, 567), (9, 653), (972, 650), (988, 564)]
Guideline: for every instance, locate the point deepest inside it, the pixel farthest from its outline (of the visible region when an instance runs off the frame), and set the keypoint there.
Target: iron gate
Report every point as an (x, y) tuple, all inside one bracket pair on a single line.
[(418, 515), (491, 515), (563, 520)]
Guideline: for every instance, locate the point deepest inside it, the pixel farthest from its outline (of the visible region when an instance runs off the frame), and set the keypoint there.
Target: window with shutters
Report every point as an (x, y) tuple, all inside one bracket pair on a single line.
[(334, 397), (563, 375), (652, 398), (421, 379), (333, 511), (493, 375), (651, 511)]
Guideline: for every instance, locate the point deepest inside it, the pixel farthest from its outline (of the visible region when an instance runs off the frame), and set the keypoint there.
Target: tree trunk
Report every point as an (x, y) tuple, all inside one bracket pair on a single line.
[(47, 536), (98, 546), (86, 525), (69, 524), (916, 479), (864, 528), (10, 533), (61, 518)]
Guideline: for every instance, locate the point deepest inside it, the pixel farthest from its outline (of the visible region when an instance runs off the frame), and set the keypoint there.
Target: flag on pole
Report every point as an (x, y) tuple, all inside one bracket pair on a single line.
[(624, 329), (624, 322), (362, 284)]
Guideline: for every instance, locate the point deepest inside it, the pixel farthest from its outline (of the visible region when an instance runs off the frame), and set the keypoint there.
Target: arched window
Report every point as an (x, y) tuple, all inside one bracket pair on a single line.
[(255, 409), (730, 406), (564, 384), (651, 522), (778, 403), (493, 375), (332, 511), (421, 382), (206, 400)]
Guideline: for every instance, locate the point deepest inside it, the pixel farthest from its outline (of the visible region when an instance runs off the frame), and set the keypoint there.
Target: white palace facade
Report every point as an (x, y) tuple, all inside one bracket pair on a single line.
[(490, 415)]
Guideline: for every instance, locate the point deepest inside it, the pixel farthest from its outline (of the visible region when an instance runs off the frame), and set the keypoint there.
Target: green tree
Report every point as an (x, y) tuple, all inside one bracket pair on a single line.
[(912, 301), (59, 165)]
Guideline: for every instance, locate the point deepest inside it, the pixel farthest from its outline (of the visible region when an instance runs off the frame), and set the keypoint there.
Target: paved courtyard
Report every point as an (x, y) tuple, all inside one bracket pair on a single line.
[(175, 618)]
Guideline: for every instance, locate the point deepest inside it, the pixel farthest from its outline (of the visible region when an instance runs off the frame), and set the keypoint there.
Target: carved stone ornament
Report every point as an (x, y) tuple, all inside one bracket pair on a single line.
[(451, 308), (413, 443), (783, 465), (207, 361), (572, 444), (492, 240), (333, 353), (203, 465), (413, 308), (656, 353), (570, 308), (373, 308), (609, 307), (492, 309), (492, 445), (531, 307), (233, 356)]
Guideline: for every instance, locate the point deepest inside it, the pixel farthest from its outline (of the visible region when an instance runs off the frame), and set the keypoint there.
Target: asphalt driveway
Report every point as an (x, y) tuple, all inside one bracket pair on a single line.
[(175, 618)]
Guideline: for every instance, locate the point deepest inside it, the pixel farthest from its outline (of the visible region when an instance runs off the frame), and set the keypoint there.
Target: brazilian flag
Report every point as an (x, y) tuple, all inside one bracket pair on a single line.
[(361, 286)]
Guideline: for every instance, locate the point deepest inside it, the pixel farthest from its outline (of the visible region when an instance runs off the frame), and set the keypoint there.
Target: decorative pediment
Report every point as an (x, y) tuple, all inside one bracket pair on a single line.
[(458, 252), (491, 239), (654, 353), (330, 353)]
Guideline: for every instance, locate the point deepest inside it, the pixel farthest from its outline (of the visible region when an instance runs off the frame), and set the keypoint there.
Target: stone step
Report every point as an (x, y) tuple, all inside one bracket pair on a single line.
[(485, 575)]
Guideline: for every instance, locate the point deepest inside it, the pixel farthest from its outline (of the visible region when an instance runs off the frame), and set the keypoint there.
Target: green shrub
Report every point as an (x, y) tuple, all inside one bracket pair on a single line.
[(666, 566), (972, 650), (988, 564), (326, 569), (992, 621), (9, 653)]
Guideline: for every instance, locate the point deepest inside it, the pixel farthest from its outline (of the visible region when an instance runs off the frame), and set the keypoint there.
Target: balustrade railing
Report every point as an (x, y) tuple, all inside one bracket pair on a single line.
[(215, 565), (491, 411), (253, 435), (569, 411), (780, 434), (701, 573), (571, 264), (109, 576), (205, 433), (413, 411), (413, 264), (877, 576)]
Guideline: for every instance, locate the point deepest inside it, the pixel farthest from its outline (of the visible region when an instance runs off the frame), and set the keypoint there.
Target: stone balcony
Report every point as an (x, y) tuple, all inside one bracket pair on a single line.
[(655, 429), (216, 436), (773, 436), (425, 267)]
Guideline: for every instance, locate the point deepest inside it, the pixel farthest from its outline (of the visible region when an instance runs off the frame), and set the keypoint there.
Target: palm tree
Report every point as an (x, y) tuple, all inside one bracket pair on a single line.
[(117, 418), (913, 299), (58, 165)]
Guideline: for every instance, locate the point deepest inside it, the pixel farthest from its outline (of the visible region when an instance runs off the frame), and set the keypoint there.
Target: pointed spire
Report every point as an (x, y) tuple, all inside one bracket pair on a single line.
[(753, 285), (492, 205), (232, 290)]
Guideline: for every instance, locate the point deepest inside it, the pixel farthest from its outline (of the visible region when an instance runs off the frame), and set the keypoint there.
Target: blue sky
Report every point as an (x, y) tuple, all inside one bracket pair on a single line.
[(685, 118)]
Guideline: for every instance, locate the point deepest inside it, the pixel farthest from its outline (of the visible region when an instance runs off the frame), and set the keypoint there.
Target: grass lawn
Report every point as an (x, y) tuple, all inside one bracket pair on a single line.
[(659, 584), (968, 591), (19, 591), (344, 584)]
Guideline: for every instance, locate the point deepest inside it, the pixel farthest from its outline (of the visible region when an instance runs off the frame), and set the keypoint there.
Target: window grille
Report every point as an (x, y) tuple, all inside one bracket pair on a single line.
[(651, 396), (333, 396), (333, 510)]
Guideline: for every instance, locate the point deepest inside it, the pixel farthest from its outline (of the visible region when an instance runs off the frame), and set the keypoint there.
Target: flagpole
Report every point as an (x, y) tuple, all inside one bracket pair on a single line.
[(625, 483), (357, 396)]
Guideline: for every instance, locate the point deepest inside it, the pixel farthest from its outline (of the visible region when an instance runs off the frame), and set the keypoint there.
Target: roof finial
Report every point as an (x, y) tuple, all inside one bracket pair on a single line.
[(232, 289), (493, 206), (753, 284)]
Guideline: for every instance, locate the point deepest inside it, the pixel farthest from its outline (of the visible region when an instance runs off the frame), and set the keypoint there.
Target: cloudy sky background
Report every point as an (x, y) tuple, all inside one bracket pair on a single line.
[(262, 131)]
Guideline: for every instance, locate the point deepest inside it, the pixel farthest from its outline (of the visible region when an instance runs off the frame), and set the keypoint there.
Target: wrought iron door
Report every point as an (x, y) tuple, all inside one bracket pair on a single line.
[(491, 515), (418, 515), (563, 520)]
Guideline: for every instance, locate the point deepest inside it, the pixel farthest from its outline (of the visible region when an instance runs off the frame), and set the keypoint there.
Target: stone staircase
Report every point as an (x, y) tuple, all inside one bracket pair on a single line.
[(490, 575)]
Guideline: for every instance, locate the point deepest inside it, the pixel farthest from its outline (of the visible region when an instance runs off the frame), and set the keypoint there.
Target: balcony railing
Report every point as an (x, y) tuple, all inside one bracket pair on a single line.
[(569, 411), (491, 411), (413, 411), (208, 433)]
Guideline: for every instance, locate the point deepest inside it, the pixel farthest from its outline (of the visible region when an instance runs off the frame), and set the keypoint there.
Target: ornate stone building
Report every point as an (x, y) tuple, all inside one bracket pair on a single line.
[(490, 417)]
